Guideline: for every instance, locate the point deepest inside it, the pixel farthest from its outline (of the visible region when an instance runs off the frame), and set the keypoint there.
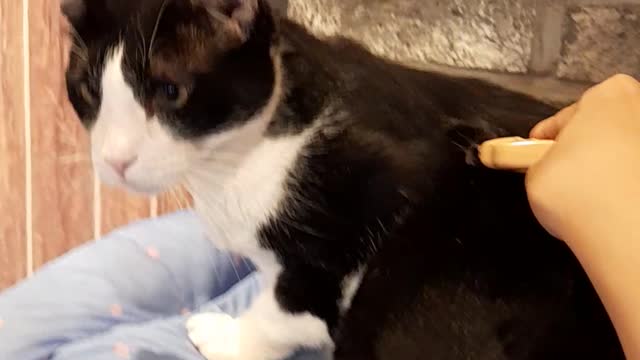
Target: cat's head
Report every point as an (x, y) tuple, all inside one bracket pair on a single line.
[(170, 88)]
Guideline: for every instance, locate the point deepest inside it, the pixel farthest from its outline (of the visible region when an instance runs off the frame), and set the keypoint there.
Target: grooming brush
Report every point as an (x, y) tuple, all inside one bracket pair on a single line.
[(512, 153)]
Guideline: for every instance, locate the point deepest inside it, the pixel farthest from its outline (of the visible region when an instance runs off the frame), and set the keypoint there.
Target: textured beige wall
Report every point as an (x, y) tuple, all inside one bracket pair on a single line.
[(584, 40), (550, 48)]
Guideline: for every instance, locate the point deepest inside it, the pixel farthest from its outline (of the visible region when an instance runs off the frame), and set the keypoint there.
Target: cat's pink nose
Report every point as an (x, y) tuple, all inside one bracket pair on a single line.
[(120, 165)]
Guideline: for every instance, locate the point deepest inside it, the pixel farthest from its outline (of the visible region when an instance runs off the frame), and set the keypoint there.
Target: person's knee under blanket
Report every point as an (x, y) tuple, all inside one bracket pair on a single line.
[(126, 296)]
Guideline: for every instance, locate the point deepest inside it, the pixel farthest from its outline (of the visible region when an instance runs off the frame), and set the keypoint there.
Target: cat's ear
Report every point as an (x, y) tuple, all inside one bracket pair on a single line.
[(238, 17), (74, 10)]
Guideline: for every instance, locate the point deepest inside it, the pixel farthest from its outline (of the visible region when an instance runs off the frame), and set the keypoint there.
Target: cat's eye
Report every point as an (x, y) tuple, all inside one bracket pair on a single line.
[(170, 91), (170, 94)]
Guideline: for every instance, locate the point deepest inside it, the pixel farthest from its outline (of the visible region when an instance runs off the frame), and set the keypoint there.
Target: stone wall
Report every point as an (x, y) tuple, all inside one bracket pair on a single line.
[(550, 48)]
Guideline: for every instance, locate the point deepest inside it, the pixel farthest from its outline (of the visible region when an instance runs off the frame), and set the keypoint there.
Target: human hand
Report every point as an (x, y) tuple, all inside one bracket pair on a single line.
[(593, 170)]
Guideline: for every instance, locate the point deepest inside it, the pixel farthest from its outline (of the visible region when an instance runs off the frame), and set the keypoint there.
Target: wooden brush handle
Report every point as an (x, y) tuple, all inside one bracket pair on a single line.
[(512, 153)]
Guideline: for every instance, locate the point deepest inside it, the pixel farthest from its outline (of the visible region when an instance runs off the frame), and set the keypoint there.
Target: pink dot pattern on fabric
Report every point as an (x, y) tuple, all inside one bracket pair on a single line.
[(116, 310), (185, 311), (153, 252), (1, 324), (121, 350)]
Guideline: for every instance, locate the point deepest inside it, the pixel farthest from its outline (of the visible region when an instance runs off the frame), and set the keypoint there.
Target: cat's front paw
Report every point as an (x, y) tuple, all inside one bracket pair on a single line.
[(217, 336)]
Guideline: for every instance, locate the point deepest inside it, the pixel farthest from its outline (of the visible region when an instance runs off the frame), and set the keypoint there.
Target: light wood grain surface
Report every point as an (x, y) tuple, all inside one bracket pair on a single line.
[(120, 208), (12, 149), (62, 181)]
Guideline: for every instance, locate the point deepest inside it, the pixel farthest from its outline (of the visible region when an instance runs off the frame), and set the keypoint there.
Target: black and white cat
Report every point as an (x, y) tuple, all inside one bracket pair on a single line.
[(351, 182)]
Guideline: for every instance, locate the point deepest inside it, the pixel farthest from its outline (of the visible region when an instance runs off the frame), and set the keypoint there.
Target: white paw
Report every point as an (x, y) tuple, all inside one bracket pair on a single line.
[(217, 336)]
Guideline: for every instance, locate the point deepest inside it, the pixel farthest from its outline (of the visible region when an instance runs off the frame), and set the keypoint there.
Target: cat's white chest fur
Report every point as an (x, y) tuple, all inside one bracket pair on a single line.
[(235, 205)]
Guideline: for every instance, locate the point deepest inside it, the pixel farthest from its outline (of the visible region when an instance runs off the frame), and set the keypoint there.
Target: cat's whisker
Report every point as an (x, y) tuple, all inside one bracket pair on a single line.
[(179, 198), (246, 263), (465, 137), (163, 7), (458, 145), (93, 72), (303, 228), (230, 160), (212, 173), (220, 156), (204, 165), (140, 51), (77, 51), (143, 41), (217, 15), (198, 181), (78, 38), (171, 194), (233, 265), (223, 153)]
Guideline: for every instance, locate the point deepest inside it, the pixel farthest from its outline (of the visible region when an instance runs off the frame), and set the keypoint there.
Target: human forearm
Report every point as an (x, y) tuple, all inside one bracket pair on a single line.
[(608, 247)]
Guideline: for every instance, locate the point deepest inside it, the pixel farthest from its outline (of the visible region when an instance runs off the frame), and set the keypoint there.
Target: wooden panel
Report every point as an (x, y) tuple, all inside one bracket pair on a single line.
[(62, 176), (12, 169), (120, 208)]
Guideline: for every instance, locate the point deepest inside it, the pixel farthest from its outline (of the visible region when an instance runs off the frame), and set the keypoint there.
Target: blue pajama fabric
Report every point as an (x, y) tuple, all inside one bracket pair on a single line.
[(127, 296)]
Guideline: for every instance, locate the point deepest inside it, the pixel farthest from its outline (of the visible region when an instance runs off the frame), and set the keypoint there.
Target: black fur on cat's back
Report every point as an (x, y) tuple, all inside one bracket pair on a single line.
[(467, 273)]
